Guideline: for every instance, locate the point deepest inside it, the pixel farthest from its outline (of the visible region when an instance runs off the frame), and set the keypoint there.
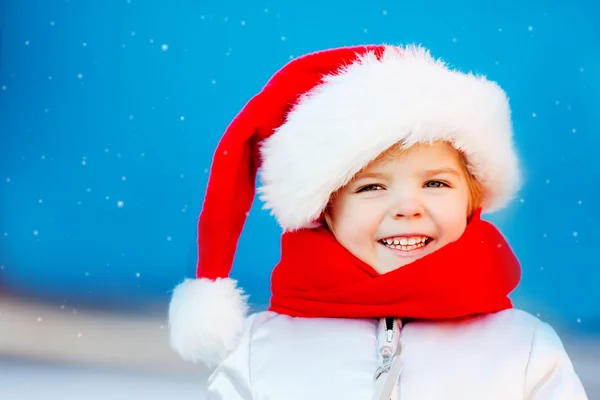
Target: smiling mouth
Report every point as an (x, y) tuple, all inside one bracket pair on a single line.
[(406, 243)]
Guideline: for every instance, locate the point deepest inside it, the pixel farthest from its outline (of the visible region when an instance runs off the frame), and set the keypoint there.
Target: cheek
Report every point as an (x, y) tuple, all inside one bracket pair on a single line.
[(451, 216), (354, 222)]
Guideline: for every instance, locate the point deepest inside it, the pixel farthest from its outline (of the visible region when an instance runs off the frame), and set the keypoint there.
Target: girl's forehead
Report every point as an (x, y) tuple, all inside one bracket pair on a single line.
[(420, 155)]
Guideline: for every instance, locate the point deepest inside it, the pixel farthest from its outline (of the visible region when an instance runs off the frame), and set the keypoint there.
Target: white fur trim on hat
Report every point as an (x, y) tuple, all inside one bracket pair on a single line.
[(356, 114), (206, 319)]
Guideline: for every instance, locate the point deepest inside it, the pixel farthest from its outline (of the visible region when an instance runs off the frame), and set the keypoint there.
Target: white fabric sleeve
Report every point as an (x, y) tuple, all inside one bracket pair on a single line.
[(231, 379), (550, 374)]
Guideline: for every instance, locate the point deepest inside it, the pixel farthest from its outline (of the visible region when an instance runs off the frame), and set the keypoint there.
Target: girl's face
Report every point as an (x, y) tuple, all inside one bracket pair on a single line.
[(402, 207)]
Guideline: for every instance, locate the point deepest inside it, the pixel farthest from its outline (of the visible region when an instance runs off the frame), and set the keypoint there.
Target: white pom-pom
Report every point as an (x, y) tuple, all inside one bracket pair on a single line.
[(206, 319)]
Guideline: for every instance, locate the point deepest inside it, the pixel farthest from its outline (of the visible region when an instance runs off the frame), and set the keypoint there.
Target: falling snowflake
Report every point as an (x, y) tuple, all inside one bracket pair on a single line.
[(454, 40), (132, 33), (51, 23), (137, 274), (7, 180), (365, 30), (547, 180), (283, 38), (243, 23), (530, 28), (83, 162), (40, 201), (39, 319), (574, 130), (80, 76), (27, 43), (182, 118), (79, 335), (384, 12), (164, 47), (84, 44), (575, 234), (36, 232), (169, 238), (143, 154), (579, 202), (120, 203), (578, 320), (123, 178), (3, 87), (534, 115), (213, 82), (89, 190)]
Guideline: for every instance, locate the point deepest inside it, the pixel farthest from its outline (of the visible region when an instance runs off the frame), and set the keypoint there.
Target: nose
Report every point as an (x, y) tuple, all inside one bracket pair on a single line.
[(407, 207)]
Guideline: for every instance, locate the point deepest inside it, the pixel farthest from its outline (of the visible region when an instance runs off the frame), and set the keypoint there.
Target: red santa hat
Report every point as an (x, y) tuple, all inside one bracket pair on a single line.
[(317, 122)]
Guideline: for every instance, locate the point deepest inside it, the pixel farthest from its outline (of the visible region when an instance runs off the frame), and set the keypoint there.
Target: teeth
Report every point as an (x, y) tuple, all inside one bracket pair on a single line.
[(404, 243)]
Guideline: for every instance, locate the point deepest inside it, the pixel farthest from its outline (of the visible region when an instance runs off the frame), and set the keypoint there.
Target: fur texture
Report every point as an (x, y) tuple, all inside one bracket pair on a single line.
[(347, 121), (206, 319)]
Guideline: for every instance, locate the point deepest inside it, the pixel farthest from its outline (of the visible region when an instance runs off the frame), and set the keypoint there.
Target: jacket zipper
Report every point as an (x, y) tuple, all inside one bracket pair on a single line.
[(387, 374)]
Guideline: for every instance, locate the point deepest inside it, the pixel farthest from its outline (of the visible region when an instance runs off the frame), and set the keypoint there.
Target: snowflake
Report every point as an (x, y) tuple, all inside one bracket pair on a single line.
[(137, 274), (213, 82), (27, 43), (40, 201), (120, 204), (182, 118), (530, 28), (169, 238), (133, 33), (36, 232), (384, 12), (3, 87), (164, 47), (39, 319), (575, 234), (80, 76), (283, 38), (83, 162), (123, 178), (243, 23), (84, 44), (7, 180), (79, 335), (534, 115), (52, 23)]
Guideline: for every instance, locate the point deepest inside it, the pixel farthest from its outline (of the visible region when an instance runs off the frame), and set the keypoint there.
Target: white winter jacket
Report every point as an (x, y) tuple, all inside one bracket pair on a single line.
[(509, 355)]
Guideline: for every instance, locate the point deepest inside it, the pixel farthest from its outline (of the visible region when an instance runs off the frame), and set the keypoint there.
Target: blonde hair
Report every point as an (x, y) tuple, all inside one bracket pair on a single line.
[(474, 186)]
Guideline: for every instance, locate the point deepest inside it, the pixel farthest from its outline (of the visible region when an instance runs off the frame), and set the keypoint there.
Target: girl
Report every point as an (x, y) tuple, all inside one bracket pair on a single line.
[(377, 162)]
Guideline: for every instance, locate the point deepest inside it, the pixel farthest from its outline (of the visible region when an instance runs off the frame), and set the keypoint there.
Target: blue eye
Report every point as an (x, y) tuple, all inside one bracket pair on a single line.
[(435, 184), (370, 188)]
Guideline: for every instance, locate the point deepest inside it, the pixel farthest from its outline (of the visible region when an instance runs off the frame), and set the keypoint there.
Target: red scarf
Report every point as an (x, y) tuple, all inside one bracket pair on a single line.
[(318, 277)]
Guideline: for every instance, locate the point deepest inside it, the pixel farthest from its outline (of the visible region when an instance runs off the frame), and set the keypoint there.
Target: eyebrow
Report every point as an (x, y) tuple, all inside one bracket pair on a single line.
[(440, 171), (427, 172)]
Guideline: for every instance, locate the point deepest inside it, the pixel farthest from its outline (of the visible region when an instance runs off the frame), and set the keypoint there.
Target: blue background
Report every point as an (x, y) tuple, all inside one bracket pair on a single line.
[(103, 102)]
